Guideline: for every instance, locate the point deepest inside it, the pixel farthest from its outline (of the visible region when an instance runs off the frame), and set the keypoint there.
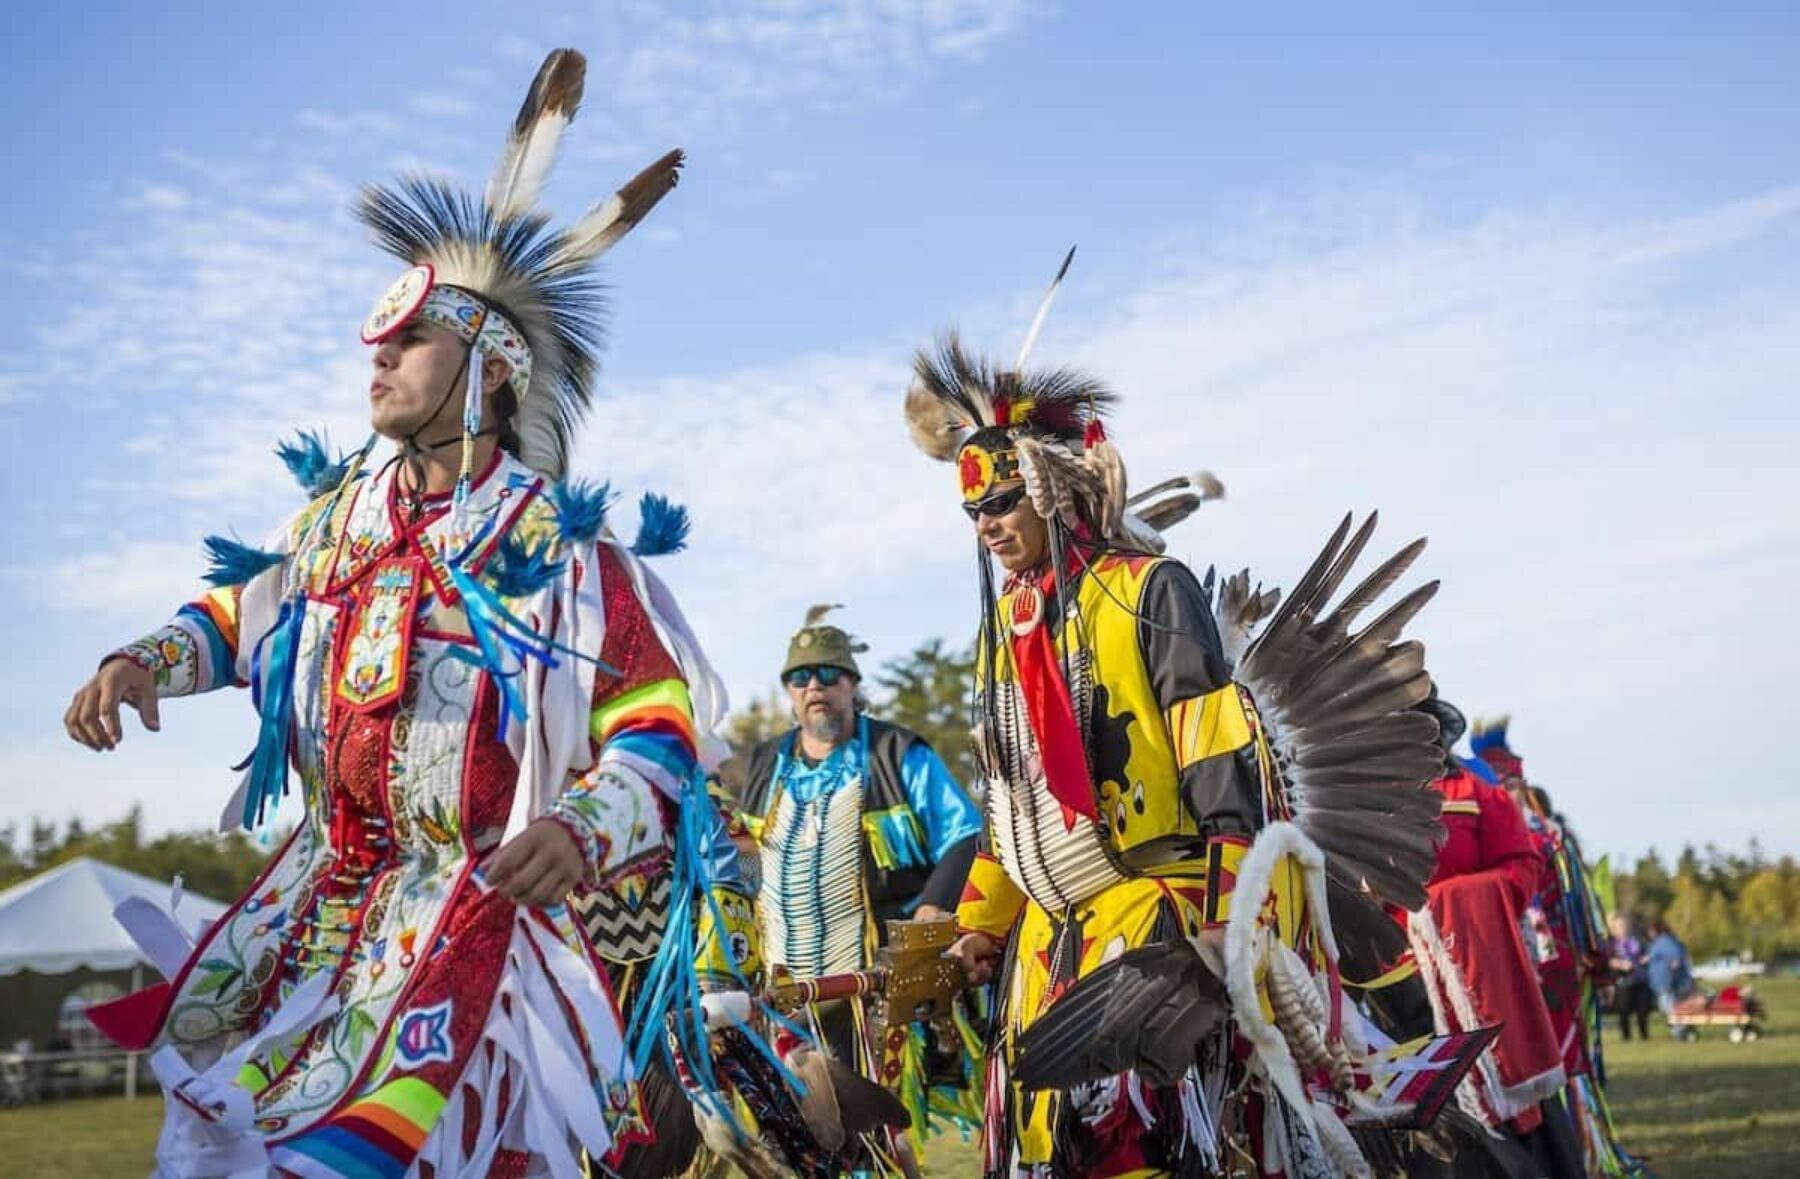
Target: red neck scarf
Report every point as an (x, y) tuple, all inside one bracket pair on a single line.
[(1046, 692)]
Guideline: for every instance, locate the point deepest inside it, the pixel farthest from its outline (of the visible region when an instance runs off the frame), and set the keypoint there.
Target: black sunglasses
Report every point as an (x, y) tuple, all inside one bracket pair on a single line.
[(799, 677), (995, 505)]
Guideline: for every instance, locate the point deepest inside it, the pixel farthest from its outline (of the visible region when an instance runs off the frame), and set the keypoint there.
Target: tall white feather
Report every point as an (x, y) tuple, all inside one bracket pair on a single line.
[(1043, 312), (536, 134)]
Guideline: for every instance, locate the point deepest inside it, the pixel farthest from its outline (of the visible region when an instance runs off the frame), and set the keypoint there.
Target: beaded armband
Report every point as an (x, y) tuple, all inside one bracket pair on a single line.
[(169, 655)]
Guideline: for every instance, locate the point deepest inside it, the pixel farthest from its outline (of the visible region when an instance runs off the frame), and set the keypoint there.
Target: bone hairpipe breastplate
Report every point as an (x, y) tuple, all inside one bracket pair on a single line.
[(1056, 864)]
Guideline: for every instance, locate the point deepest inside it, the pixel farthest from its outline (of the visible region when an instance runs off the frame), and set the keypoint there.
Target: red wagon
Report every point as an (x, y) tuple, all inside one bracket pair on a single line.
[(1738, 1009)]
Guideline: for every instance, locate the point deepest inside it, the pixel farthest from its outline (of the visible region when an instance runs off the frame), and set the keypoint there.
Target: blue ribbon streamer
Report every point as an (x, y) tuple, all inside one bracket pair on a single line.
[(669, 1001), (500, 633), (268, 762)]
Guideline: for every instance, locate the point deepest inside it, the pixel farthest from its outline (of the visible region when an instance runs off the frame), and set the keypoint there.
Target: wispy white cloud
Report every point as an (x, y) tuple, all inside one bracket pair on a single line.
[(1712, 229), (222, 308), (338, 124), (181, 779), (305, 186), (708, 75), (473, 78), (164, 197), (785, 181), (127, 582), (439, 104), (705, 71), (519, 50)]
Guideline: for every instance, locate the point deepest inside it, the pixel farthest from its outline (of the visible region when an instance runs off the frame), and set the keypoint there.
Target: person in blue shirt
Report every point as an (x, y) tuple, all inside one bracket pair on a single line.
[(1667, 967), (917, 824), (859, 822)]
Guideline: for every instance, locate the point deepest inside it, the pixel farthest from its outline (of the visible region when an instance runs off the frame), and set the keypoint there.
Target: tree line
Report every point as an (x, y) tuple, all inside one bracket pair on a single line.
[(209, 864), (926, 690), (1717, 901)]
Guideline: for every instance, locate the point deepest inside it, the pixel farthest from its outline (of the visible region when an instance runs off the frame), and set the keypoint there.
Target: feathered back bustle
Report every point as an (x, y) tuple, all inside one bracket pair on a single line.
[(1339, 705), (1238, 609)]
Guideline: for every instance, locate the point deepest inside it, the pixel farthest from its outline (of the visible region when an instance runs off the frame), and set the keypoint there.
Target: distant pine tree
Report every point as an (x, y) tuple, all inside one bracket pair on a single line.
[(928, 691)]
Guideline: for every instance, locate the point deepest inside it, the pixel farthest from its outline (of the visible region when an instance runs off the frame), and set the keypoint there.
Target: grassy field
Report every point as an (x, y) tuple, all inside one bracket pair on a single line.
[(1709, 1110), (1713, 1109)]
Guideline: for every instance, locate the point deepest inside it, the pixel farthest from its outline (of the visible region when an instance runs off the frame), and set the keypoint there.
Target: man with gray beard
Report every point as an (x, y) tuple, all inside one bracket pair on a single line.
[(860, 822)]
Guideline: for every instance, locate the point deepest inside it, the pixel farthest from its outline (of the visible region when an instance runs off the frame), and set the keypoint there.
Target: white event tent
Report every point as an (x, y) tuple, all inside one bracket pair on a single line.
[(60, 924), (62, 919)]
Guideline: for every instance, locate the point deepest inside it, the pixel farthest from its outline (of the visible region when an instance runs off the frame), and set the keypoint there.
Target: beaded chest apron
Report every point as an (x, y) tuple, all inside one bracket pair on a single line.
[(812, 905)]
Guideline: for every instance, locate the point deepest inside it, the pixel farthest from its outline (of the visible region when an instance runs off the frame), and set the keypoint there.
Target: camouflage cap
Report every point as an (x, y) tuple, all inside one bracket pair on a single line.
[(818, 644)]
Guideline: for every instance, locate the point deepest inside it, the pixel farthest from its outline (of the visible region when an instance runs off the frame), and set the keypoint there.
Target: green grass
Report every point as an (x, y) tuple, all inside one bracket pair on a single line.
[(947, 1157), (96, 1138), (1709, 1110), (1714, 1109)]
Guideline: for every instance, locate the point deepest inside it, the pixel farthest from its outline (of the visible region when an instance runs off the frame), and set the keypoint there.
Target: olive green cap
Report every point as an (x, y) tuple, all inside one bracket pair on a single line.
[(818, 644)]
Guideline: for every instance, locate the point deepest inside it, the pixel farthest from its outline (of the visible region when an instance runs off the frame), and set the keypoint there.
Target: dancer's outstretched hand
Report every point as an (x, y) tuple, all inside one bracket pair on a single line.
[(93, 715), (539, 867)]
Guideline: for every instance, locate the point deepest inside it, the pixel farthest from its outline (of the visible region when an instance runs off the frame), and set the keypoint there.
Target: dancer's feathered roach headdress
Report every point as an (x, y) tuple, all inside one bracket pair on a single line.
[(1042, 429), (1488, 742), (492, 270)]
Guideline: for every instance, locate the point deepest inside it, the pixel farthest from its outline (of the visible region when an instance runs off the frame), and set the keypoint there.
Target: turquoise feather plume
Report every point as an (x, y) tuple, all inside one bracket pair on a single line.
[(232, 562)]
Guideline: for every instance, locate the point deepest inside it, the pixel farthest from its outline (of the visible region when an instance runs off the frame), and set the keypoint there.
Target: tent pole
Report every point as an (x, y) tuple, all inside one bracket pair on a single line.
[(137, 982)]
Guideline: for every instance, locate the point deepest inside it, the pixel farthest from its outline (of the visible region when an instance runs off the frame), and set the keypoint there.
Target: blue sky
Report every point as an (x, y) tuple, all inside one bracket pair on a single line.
[(1526, 283)]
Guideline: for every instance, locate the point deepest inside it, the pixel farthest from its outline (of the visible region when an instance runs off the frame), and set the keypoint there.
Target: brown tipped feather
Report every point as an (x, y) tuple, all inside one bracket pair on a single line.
[(555, 91), (601, 227), (1165, 513), (1058, 482), (1205, 484)]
